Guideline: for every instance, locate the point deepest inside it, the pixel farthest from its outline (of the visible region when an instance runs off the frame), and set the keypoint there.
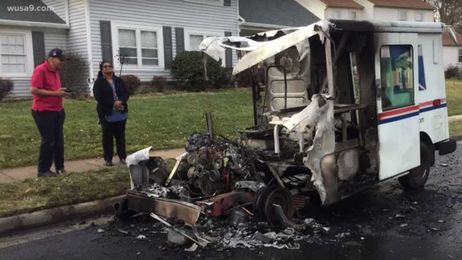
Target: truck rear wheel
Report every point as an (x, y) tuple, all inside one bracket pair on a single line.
[(417, 177)]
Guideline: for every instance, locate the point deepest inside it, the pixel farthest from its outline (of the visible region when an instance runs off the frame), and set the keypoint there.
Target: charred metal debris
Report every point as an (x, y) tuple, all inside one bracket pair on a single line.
[(221, 192)]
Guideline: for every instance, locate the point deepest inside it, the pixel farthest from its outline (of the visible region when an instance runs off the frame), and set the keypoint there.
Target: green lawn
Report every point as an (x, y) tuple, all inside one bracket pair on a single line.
[(160, 121), (163, 121), (454, 97), (41, 193)]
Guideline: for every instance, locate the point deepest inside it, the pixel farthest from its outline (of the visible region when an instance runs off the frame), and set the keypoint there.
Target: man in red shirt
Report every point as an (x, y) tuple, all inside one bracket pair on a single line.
[(48, 112)]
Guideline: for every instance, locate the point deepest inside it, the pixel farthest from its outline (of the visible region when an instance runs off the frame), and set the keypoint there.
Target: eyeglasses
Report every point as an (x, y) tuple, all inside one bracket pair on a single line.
[(107, 66)]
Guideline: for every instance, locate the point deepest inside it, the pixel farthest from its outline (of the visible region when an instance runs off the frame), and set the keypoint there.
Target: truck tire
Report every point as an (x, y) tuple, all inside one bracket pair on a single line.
[(417, 177)]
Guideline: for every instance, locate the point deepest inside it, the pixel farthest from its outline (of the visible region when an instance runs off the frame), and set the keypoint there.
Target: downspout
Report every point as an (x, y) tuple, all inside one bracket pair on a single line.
[(90, 79)]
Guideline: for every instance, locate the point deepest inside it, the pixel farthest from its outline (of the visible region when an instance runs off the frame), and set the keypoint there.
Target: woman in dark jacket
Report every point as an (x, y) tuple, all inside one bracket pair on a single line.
[(112, 96)]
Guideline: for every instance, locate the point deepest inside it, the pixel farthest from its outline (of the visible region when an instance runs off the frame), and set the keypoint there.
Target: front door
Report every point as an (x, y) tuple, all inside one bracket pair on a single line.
[(398, 112)]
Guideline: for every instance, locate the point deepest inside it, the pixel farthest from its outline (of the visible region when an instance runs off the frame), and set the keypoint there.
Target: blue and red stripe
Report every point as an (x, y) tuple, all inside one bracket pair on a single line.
[(410, 111)]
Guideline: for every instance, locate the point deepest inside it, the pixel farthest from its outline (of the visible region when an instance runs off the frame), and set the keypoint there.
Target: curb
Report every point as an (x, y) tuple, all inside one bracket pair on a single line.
[(54, 215)]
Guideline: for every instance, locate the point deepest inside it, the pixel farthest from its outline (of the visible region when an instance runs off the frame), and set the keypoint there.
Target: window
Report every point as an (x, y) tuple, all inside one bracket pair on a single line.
[(336, 14), (149, 51), (194, 41), (419, 16), (402, 15), (397, 76), (15, 53), (195, 37), (138, 46), (127, 46), (460, 55), (353, 15)]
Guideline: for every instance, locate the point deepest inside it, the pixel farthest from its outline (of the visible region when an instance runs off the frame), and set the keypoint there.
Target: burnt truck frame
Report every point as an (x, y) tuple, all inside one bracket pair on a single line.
[(343, 106)]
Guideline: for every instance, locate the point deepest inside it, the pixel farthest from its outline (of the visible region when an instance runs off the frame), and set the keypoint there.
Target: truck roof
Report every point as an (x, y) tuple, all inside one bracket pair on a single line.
[(386, 26)]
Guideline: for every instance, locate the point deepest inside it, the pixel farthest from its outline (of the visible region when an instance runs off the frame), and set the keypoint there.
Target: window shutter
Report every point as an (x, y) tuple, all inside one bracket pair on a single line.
[(228, 54), (179, 35), (106, 40), (227, 2), (38, 46), (168, 48)]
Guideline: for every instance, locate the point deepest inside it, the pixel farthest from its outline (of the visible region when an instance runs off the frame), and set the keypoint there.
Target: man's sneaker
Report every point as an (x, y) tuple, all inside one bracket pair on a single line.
[(62, 171), (47, 174)]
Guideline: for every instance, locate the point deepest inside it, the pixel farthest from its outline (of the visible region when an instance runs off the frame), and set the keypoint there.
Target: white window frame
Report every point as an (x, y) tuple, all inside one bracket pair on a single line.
[(115, 26), (207, 2), (28, 49), (406, 15), (419, 14), (205, 33)]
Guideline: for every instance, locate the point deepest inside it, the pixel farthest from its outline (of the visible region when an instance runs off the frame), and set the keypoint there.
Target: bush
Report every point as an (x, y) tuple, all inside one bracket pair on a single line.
[(452, 72), (188, 70), (73, 75), (159, 82), (6, 86), (132, 83)]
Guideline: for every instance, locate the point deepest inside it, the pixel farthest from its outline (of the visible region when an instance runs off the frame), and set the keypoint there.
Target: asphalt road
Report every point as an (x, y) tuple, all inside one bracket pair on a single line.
[(381, 223)]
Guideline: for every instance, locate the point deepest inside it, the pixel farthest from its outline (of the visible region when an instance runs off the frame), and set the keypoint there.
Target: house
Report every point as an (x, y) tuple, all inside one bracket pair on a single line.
[(385, 10), (397, 10), (335, 9), (146, 34), (264, 15), (452, 51), (26, 35)]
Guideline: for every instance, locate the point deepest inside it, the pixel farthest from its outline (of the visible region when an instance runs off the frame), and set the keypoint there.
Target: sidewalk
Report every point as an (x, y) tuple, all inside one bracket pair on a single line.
[(22, 173)]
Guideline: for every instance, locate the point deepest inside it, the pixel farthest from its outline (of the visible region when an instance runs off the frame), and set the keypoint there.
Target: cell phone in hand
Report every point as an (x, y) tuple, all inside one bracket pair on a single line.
[(68, 90)]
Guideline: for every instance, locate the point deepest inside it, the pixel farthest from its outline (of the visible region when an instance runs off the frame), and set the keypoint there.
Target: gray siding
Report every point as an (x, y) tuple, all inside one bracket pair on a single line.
[(56, 39), (173, 13), (77, 36), (21, 88), (59, 7)]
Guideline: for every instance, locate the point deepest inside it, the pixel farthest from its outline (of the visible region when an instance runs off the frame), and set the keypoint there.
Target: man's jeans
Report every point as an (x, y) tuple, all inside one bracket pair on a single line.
[(50, 125)]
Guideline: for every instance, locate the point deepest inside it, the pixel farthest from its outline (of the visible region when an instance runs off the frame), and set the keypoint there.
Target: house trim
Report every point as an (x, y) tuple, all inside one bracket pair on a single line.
[(89, 45), (249, 25), (33, 24)]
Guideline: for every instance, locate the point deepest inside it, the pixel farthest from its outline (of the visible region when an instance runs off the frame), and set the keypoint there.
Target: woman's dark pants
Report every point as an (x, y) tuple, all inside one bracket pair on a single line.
[(110, 131)]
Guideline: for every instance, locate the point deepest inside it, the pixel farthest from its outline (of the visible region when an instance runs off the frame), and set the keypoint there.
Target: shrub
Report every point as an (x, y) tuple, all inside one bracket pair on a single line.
[(188, 70), (159, 82), (452, 72), (73, 75), (132, 83), (6, 86)]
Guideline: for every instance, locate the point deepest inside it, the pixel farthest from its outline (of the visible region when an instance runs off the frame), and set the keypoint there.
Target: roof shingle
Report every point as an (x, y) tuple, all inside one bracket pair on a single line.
[(342, 4), (447, 39), (276, 12), (41, 13)]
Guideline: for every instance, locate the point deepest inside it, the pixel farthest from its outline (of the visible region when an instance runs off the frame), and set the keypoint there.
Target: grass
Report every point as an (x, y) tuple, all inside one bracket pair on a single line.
[(455, 128), (160, 121), (454, 97), (41, 193)]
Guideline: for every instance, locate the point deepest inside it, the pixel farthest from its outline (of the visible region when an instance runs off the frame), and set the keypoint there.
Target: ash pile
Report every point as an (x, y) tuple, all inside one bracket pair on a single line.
[(219, 193)]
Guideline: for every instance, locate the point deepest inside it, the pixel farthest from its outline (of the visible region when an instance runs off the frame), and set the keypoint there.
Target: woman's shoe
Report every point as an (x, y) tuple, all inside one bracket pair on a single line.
[(106, 163)]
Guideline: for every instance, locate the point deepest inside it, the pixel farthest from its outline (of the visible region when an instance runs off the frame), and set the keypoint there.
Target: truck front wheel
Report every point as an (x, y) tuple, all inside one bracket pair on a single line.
[(417, 177)]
